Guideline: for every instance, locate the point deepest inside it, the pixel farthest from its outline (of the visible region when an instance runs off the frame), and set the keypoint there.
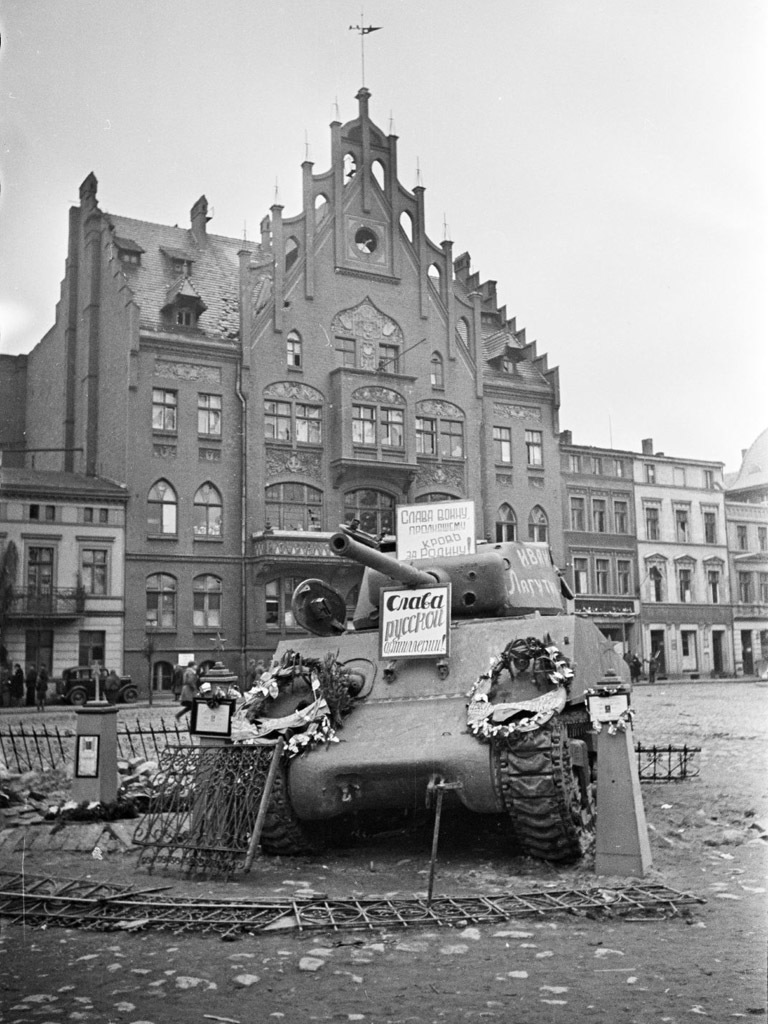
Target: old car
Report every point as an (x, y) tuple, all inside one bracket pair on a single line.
[(77, 686)]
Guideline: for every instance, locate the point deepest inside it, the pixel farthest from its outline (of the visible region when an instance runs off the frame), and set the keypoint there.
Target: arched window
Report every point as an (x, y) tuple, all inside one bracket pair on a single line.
[(161, 509), (206, 598), (162, 676), (379, 173), (294, 506), (321, 209), (291, 252), (435, 275), (436, 378), (462, 329), (161, 601), (406, 223), (373, 510), (207, 511), (350, 167), (293, 350), (506, 524), (538, 524)]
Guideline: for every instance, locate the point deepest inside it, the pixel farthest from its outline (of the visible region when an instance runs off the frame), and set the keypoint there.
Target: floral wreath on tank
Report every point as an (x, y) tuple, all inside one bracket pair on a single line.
[(544, 665), (303, 700)]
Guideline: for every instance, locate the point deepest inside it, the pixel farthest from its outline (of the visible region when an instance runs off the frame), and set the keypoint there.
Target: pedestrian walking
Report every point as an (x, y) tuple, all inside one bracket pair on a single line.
[(17, 686), (177, 681), (41, 687), (653, 662), (30, 681), (188, 691)]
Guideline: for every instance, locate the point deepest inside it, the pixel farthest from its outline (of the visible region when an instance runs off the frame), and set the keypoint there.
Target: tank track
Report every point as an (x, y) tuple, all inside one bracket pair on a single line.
[(283, 833), (551, 818)]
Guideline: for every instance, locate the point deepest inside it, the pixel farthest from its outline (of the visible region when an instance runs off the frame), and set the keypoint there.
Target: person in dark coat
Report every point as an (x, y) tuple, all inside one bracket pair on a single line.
[(41, 688), (30, 682), (635, 668), (17, 686)]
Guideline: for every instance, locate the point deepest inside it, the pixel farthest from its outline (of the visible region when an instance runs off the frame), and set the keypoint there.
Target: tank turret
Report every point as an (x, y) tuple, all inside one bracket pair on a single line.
[(510, 579)]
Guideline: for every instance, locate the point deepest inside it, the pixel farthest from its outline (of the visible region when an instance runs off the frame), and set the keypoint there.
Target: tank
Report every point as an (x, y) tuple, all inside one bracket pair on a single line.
[(499, 719)]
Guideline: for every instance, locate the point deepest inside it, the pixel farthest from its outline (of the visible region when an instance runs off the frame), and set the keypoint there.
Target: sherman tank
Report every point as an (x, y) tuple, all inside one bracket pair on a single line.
[(492, 709)]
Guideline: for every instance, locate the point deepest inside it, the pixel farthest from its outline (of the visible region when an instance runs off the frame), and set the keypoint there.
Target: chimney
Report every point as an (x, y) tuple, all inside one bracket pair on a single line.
[(266, 233), (566, 437), (199, 217), (744, 453), (647, 444)]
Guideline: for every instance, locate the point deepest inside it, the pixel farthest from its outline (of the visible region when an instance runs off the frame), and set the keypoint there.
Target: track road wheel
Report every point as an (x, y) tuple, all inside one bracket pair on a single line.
[(283, 833), (553, 820)]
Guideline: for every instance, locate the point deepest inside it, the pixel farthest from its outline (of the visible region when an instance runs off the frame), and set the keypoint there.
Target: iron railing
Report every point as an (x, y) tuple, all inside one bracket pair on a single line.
[(44, 747), (53, 603)]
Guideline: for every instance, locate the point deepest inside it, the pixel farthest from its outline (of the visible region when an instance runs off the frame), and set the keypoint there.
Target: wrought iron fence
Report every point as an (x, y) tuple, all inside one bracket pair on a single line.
[(45, 747), (666, 764), (204, 808)]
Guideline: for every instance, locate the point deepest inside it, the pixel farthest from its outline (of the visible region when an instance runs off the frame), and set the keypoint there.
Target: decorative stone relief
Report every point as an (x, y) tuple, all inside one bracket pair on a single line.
[(187, 371), (512, 412), (504, 478), (164, 451), (536, 481), (434, 407), (209, 454), (370, 327), (287, 389), (436, 473), (281, 462), (374, 394)]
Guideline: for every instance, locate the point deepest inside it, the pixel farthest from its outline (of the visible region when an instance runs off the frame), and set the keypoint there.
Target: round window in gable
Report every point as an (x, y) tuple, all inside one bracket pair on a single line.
[(366, 241)]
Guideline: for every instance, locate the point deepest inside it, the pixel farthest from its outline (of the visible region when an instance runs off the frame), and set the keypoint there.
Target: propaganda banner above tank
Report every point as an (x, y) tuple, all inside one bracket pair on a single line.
[(437, 530), (415, 623)]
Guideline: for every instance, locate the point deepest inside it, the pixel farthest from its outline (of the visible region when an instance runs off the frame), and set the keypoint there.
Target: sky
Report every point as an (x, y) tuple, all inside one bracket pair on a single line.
[(603, 160)]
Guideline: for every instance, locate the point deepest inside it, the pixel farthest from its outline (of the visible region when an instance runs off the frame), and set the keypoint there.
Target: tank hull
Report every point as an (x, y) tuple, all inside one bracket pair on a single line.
[(409, 726)]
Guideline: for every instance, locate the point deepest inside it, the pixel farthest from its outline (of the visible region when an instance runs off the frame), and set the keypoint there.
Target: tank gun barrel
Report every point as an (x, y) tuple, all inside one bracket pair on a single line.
[(347, 547)]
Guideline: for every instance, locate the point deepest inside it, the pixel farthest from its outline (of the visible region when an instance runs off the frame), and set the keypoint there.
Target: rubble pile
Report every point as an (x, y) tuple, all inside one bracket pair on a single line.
[(32, 797), (26, 797)]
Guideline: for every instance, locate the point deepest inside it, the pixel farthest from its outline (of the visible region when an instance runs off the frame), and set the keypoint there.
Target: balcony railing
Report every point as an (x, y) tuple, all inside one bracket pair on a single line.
[(51, 604)]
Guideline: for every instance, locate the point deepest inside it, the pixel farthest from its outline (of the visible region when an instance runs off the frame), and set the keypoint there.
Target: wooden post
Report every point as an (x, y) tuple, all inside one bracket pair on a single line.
[(277, 756)]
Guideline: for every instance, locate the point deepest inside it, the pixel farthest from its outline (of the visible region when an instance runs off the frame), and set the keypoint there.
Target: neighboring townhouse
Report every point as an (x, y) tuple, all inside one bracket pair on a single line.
[(68, 532), (600, 539), (682, 551), (746, 511)]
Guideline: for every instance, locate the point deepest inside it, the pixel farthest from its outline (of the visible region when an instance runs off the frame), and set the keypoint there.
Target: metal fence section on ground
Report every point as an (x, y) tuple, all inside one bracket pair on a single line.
[(44, 747), (86, 904), (204, 808)]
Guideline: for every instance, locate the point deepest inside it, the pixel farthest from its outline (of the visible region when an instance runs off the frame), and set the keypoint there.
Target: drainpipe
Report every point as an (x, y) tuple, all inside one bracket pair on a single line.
[(243, 530)]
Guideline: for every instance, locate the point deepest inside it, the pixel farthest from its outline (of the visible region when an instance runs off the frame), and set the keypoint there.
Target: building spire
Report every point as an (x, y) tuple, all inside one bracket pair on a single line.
[(363, 31)]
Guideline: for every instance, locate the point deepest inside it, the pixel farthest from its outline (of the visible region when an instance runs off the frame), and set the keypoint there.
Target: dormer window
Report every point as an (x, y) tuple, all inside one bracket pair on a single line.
[(183, 306), (186, 317), (181, 262), (128, 251)]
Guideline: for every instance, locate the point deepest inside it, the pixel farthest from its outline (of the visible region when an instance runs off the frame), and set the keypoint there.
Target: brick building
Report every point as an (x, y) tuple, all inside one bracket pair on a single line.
[(600, 538), (251, 396)]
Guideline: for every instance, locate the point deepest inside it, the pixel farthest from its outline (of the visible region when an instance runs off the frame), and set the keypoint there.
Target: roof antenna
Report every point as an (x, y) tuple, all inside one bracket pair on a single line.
[(445, 227), (391, 124), (277, 194), (336, 108), (363, 30), (306, 145), (418, 175)]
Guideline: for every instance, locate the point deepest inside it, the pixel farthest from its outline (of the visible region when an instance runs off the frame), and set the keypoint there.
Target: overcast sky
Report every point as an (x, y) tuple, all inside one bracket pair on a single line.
[(603, 160)]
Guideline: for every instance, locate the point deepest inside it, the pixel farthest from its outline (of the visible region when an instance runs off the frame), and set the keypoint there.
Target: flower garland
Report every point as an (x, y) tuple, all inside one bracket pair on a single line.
[(620, 724), (548, 667), (325, 695)]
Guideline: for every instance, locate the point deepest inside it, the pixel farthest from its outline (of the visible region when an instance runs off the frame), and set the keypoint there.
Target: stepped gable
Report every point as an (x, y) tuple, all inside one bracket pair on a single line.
[(213, 274)]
